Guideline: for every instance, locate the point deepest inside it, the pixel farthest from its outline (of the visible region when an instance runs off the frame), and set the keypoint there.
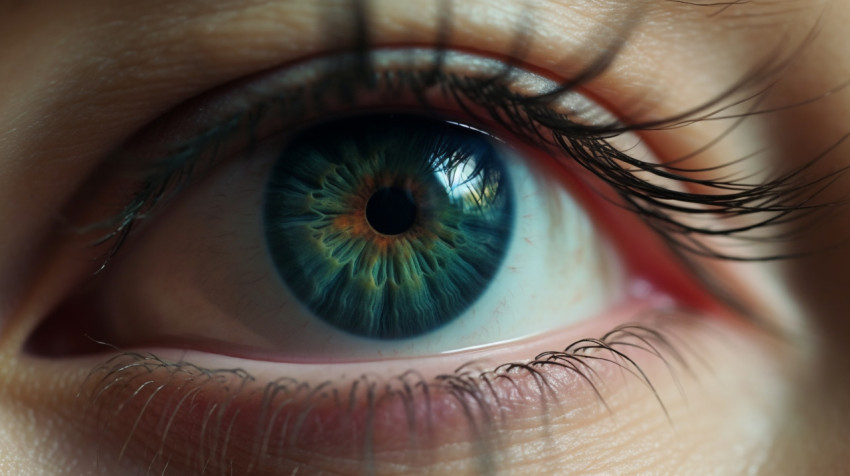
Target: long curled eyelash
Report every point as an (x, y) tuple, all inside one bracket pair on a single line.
[(126, 382), (126, 385), (740, 210)]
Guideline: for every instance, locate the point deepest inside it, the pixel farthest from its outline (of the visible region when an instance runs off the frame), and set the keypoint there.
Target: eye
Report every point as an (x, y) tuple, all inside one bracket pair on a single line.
[(369, 236), (378, 224), (247, 296), (354, 261)]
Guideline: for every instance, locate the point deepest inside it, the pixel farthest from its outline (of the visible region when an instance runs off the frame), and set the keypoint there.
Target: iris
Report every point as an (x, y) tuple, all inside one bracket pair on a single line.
[(388, 226)]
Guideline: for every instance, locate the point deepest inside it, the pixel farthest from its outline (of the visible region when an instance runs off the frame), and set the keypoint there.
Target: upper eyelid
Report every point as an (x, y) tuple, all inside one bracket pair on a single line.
[(214, 47), (577, 47), (208, 122), (136, 77), (733, 197), (213, 50)]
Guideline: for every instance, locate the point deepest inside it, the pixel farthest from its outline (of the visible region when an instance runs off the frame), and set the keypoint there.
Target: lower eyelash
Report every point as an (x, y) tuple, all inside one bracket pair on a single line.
[(179, 413)]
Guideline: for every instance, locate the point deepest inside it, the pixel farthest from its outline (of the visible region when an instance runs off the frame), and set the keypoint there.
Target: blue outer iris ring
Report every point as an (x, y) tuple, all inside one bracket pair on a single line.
[(382, 285)]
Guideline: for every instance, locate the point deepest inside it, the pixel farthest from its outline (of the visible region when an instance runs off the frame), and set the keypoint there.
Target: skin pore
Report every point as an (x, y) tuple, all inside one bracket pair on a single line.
[(761, 390)]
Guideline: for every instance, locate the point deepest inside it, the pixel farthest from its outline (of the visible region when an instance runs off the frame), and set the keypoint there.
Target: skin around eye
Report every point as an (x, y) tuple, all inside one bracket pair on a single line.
[(211, 248), (724, 397)]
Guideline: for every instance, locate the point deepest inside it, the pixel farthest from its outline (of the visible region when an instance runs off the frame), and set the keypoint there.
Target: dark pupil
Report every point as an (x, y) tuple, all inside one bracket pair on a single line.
[(391, 211)]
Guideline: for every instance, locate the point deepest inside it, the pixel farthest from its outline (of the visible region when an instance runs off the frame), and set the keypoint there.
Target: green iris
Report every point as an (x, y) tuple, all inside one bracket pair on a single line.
[(388, 226)]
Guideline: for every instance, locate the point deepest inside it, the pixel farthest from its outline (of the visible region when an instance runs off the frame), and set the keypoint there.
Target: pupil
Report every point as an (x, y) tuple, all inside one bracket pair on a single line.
[(391, 211)]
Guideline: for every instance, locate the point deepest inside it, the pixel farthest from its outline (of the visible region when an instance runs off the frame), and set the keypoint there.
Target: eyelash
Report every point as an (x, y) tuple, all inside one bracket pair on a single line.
[(665, 209), (125, 381), (587, 145)]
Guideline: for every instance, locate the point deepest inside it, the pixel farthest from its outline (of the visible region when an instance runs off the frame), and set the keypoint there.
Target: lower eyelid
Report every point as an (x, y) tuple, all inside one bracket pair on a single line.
[(161, 411), (194, 415)]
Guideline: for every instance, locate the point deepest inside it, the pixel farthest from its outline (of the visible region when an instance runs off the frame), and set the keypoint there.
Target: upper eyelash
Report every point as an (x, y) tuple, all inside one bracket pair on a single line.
[(786, 198), (176, 170)]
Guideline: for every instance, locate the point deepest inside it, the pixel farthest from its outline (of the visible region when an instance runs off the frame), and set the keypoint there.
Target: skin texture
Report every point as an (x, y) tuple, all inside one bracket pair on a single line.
[(79, 78)]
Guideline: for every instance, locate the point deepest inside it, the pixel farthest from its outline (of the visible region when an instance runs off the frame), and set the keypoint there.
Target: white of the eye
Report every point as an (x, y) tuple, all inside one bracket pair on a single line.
[(558, 270), (202, 271)]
